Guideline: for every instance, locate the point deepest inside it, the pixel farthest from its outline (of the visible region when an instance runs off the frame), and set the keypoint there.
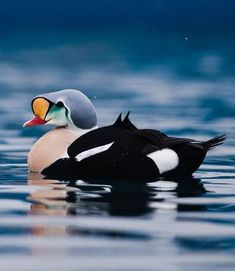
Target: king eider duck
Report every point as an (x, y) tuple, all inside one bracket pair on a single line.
[(78, 148)]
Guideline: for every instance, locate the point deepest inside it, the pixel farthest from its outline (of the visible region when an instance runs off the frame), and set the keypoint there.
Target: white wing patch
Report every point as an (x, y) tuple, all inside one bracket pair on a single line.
[(165, 159), (93, 151)]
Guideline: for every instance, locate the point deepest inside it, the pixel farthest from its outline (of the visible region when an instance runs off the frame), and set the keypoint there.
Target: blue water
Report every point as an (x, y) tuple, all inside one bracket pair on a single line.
[(173, 66)]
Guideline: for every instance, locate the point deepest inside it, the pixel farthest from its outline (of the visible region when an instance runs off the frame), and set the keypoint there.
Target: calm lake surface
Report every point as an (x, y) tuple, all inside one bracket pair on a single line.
[(178, 78)]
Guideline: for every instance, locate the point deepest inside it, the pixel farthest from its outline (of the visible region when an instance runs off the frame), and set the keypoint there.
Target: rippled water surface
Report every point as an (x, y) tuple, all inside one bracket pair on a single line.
[(121, 226), (172, 79)]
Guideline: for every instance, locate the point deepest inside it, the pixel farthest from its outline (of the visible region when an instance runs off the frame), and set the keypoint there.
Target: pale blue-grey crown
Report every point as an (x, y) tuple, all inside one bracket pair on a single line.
[(79, 106)]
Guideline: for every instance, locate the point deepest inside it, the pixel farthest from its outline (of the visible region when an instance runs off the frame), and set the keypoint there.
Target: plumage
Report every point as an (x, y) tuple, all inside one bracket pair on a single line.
[(121, 150), (165, 159)]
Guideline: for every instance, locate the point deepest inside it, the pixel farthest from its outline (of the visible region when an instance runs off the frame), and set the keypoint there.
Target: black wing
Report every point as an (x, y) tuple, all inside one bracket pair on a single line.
[(102, 136), (125, 131), (127, 156), (160, 141)]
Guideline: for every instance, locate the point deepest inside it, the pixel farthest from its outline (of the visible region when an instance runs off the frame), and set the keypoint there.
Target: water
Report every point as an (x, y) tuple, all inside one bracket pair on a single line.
[(175, 74)]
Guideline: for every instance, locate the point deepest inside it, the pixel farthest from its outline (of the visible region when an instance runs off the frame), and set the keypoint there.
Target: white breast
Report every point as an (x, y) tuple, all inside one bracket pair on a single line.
[(49, 148), (165, 159)]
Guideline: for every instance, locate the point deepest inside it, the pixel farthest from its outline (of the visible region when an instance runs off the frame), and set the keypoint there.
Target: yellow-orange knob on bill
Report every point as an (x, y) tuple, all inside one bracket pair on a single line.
[(40, 107)]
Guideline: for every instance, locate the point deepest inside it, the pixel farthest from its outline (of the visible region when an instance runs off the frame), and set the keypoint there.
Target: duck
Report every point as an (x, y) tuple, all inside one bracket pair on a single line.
[(78, 148)]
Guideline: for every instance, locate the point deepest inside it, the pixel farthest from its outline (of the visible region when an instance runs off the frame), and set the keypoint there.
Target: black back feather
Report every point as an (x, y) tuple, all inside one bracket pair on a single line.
[(118, 121), (127, 123)]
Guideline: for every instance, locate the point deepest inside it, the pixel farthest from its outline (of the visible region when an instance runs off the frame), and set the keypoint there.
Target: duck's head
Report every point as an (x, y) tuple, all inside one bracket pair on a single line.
[(66, 108)]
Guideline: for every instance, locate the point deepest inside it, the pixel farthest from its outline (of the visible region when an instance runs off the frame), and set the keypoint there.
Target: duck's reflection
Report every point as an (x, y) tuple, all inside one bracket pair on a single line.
[(130, 199), (115, 198), (51, 196)]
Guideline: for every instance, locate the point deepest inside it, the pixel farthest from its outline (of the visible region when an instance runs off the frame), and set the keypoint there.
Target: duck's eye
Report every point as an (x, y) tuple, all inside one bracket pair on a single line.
[(60, 104)]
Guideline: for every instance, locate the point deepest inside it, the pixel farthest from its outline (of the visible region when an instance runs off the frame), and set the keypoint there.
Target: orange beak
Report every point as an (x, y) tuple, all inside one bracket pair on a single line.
[(33, 122), (40, 106)]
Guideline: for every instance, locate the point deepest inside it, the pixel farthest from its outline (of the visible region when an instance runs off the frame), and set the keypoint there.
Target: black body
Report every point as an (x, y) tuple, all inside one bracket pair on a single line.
[(127, 157)]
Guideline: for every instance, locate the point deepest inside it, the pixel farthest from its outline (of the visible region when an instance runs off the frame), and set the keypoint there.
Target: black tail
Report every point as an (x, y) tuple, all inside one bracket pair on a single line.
[(215, 141)]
